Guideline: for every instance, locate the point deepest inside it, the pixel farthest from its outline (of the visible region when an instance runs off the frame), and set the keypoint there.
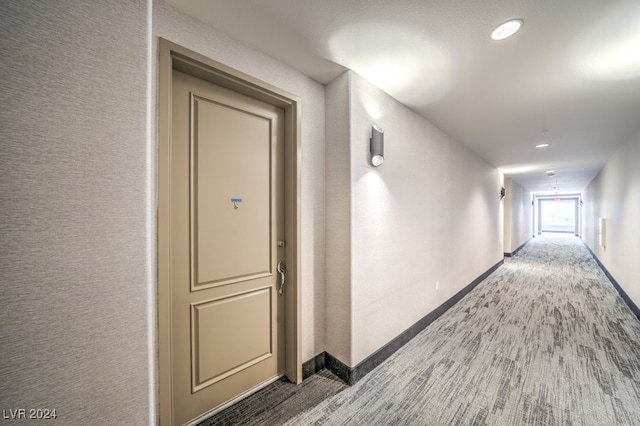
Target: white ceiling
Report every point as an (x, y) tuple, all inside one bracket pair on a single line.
[(570, 77)]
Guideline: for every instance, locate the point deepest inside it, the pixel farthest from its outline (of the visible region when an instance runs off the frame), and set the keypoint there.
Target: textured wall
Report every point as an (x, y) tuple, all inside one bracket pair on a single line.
[(175, 26), (615, 195), (517, 216), (73, 329), (422, 226), (425, 224), (338, 231)]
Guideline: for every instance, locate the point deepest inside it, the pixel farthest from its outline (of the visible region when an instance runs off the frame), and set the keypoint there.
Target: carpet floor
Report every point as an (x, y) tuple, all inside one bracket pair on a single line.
[(279, 402), (544, 340)]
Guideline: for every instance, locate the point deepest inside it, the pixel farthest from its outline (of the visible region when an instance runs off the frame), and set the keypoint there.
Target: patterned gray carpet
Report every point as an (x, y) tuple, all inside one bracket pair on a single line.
[(545, 340), (279, 402)]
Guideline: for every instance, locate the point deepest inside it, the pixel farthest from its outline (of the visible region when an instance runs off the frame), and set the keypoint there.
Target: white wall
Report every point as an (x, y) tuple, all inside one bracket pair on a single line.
[(338, 228), (615, 195), (517, 215), (174, 25), (73, 257), (422, 226)]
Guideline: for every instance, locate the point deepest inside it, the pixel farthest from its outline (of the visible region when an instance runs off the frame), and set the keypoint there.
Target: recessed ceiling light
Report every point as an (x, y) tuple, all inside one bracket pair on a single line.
[(506, 29), (542, 145)]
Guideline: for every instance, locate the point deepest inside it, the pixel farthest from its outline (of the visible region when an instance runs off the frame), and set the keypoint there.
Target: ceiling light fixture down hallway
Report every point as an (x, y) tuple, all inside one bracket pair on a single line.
[(507, 29)]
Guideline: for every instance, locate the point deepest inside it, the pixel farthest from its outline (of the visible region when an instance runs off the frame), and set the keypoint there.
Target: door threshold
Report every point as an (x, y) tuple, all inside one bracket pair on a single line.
[(238, 398)]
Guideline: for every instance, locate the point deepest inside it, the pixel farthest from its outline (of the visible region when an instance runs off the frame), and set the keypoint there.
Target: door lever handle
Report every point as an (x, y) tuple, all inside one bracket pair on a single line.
[(282, 270)]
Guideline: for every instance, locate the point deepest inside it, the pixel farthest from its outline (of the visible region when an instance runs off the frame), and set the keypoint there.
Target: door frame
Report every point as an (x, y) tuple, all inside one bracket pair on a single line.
[(576, 198), (175, 57)]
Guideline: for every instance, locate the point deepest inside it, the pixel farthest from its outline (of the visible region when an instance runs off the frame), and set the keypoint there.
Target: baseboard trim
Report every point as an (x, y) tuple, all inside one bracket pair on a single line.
[(513, 253), (351, 375), (340, 369), (315, 364), (634, 308)]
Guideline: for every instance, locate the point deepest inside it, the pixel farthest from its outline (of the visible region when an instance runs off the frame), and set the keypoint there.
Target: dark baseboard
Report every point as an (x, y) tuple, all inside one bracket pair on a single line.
[(513, 253), (634, 308), (339, 368), (315, 364), (352, 375)]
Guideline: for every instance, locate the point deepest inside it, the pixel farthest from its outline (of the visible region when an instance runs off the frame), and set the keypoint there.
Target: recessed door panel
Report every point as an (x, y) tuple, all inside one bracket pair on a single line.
[(240, 324), (230, 193)]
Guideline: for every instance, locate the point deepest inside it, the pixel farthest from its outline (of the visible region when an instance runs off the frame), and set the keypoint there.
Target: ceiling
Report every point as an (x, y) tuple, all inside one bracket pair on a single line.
[(570, 77)]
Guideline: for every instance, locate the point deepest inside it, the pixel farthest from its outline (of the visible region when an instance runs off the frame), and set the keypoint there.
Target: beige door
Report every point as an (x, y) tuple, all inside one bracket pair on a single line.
[(227, 219)]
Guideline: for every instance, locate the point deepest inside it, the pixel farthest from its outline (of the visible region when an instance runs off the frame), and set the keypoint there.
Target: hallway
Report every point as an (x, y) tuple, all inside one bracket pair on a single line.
[(545, 340), (379, 252)]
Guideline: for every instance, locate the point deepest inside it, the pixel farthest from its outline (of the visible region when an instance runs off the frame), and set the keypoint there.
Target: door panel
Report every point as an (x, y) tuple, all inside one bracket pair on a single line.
[(230, 181), (241, 324), (227, 216)]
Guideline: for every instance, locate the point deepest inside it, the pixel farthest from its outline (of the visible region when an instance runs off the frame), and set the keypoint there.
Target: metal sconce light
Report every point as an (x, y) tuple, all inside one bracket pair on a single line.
[(503, 192), (376, 145)]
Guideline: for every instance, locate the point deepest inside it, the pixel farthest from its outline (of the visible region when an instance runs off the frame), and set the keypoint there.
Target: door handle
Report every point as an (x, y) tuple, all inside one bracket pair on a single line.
[(282, 270)]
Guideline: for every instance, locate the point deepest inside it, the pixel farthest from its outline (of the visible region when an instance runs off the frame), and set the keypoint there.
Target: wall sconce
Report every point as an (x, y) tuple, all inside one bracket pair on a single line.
[(503, 192), (376, 145)]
